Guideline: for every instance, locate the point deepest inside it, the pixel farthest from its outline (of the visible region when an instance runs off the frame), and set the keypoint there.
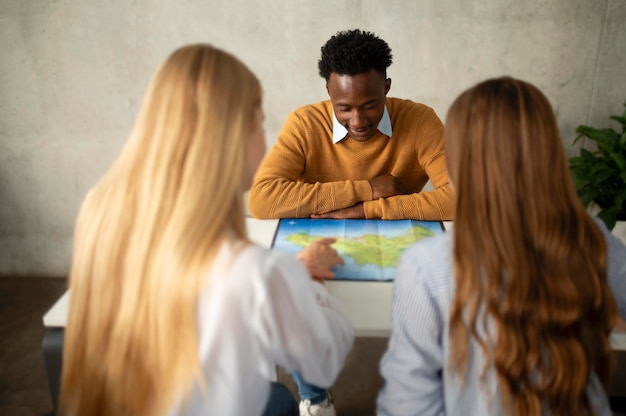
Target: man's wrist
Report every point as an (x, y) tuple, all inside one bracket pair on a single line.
[(372, 209)]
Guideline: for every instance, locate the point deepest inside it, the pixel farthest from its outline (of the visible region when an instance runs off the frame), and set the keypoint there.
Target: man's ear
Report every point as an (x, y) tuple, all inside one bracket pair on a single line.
[(327, 89), (387, 85)]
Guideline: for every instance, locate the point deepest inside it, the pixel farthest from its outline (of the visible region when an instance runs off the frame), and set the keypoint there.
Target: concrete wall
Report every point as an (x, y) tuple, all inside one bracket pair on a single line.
[(73, 73)]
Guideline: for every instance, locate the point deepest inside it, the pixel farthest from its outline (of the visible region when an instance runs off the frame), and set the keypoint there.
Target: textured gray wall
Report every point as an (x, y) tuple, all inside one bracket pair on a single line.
[(72, 75)]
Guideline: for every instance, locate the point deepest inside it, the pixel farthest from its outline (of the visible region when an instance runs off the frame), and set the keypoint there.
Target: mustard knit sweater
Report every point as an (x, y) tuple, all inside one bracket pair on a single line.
[(305, 173)]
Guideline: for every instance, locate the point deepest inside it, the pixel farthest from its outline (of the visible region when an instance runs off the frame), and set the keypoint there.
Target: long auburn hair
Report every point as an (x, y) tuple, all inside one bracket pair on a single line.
[(147, 233), (529, 262)]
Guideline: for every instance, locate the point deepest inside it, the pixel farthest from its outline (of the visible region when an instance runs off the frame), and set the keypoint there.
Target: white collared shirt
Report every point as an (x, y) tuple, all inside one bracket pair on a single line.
[(340, 132)]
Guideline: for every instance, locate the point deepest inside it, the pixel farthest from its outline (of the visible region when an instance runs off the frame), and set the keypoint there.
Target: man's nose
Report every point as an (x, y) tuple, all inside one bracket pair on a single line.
[(358, 119)]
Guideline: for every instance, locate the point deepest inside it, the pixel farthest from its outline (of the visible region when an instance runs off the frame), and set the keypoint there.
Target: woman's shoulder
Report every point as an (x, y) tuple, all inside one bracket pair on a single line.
[(430, 251), (429, 262), (243, 262), (613, 242)]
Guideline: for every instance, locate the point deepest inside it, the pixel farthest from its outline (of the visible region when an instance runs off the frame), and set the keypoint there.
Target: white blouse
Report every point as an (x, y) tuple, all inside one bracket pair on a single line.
[(260, 309)]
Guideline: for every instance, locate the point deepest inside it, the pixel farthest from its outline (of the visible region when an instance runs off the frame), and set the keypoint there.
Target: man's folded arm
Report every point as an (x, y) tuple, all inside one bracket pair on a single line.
[(434, 205), (276, 197)]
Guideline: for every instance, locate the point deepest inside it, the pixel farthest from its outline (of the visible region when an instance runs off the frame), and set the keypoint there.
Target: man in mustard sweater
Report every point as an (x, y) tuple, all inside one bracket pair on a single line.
[(359, 154)]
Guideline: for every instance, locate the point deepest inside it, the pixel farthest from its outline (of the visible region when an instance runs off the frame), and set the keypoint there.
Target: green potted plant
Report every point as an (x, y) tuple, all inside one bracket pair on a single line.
[(600, 175)]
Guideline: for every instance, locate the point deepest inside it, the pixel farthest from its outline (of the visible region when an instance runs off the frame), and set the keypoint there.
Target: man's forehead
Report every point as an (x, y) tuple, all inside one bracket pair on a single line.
[(358, 82), (369, 74)]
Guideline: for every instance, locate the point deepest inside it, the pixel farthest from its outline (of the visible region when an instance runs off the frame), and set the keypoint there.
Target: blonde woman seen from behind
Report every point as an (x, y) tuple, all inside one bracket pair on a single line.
[(510, 313), (173, 311)]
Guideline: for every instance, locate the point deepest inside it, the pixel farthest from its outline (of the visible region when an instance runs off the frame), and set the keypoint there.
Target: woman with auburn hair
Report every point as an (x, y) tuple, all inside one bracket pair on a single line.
[(510, 313), (173, 310)]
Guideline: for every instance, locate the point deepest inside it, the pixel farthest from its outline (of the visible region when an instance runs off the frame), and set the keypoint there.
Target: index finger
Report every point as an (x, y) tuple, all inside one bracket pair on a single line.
[(326, 240), (321, 216)]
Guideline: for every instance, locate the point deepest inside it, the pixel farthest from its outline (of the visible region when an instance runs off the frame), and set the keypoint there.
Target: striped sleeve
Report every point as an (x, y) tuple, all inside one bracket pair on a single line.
[(412, 366), (616, 267)]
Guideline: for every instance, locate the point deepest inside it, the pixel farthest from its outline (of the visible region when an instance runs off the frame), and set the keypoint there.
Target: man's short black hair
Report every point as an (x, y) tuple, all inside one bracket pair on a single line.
[(353, 52)]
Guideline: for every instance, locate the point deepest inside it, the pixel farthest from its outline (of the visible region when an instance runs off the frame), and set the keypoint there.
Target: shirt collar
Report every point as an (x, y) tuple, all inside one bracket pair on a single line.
[(340, 132)]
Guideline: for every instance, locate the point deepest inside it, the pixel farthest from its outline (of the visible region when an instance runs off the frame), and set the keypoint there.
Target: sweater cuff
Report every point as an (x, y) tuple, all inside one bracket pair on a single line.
[(373, 209), (363, 190)]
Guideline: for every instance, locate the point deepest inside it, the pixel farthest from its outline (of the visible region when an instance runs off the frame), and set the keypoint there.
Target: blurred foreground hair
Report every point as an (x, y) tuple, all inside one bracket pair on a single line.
[(529, 262), (147, 233)]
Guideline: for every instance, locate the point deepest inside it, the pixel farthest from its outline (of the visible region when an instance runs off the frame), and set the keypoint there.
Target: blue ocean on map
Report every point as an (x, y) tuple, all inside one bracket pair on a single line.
[(349, 230)]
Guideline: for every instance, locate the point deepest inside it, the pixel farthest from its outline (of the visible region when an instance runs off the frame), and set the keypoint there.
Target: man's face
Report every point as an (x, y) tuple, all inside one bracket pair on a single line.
[(358, 101)]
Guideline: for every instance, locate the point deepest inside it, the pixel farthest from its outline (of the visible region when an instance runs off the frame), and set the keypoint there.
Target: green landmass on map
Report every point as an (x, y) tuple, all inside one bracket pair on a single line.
[(375, 249)]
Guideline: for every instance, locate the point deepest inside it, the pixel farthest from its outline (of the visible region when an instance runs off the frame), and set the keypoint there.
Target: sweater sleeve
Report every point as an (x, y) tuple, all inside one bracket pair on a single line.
[(279, 190), (438, 204)]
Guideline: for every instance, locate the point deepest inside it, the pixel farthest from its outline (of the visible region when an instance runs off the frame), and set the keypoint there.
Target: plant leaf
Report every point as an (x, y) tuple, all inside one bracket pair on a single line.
[(603, 173), (599, 174), (620, 201), (620, 119), (587, 195), (609, 216), (587, 156), (606, 135)]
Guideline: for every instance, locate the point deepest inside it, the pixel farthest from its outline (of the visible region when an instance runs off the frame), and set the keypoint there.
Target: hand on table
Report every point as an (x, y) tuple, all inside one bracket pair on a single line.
[(319, 257), (385, 186), (353, 212)]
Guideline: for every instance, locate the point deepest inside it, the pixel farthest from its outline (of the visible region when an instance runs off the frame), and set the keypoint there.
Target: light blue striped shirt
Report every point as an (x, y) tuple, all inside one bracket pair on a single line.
[(415, 365)]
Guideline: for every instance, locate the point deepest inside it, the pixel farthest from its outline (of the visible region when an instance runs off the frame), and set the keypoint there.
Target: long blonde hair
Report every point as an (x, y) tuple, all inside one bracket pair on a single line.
[(526, 254), (147, 233)]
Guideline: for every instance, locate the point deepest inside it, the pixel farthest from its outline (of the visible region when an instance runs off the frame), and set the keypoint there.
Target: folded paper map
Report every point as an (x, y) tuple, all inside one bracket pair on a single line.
[(370, 249)]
